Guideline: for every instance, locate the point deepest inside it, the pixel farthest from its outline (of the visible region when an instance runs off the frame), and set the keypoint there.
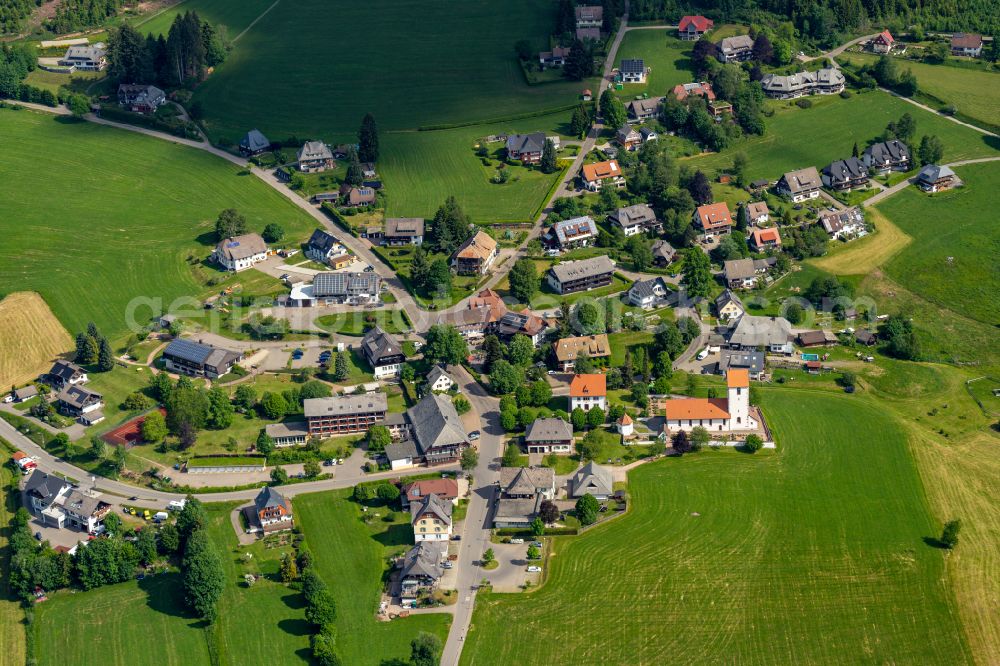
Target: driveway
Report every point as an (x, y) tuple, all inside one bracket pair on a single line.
[(513, 570)]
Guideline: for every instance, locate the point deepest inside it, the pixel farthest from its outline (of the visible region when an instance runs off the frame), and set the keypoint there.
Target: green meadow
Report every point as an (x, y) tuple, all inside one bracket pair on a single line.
[(668, 58)]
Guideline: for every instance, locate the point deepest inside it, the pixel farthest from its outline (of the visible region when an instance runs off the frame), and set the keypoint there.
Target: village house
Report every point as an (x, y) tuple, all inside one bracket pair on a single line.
[(714, 218), (22, 394), (522, 491), (315, 156), (589, 16), (582, 275), (845, 175), (475, 255), (83, 58), (751, 362), (79, 401), (270, 512), (588, 34), (195, 359), (523, 323), (740, 273), (865, 337), (632, 70), (641, 110), (322, 246), (728, 306), (625, 425), (800, 185), (554, 58), (843, 224), (403, 231), (333, 288), (65, 373), (883, 42), (691, 28), (718, 109), (415, 491), (592, 479), (566, 350), (588, 391), (735, 49), (254, 143), (598, 174), (343, 414), (140, 98), (438, 380), (765, 239), (575, 232), (484, 310), (967, 44), (357, 197), (283, 435), (45, 490), (714, 414), (238, 253), (635, 219), (756, 213), (648, 134), (526, 148), (886, 156), (701, 89), (827, 81), (383, 353), (628, 138), (432, 519), (934, 178), (663, 252), (549, 435), (432, 434), (343, 261), (85, 511), (421, 570), (751, 332), (819, 338), (651, 293)]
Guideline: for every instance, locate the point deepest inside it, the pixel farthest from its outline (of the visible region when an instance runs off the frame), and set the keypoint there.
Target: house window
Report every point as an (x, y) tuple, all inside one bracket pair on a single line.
[(423, 529)]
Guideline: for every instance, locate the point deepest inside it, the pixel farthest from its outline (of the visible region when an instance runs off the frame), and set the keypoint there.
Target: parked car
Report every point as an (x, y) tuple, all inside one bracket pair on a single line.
[(536, 544), (328, 463), (456, 537), (176, 505), (447, 565), (534, 569), (551, 372), (284, 276), (703, 354), (369, 268), (517, 541), (474, 435)]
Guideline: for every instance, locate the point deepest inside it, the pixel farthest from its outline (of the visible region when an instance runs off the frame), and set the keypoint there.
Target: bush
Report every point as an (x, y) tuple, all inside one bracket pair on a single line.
[(753, 443), (803, 103), (845, 94)]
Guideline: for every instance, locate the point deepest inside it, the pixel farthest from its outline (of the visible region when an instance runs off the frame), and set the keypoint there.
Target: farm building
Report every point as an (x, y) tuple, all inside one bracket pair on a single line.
[(238, 253), (188, 357)]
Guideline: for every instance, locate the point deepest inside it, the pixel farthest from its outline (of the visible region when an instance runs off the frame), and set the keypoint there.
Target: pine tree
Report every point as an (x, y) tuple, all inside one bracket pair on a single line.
[(340, 369), (548, 162), (580, 62), (105, 357), (580, 123), (368, 139), (355, 175)]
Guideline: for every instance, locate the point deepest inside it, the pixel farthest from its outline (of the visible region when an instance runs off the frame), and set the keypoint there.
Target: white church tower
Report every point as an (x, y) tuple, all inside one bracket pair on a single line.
[(738, 382)]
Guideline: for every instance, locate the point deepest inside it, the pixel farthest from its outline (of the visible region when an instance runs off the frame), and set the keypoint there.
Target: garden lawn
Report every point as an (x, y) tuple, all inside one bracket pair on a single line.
[(129, 624), (973, 92), (356, 323), (952, 260), (78, 237), (350, 557), (733, 557), (12, 640), (668, 58), (797, 138), (410, 63)]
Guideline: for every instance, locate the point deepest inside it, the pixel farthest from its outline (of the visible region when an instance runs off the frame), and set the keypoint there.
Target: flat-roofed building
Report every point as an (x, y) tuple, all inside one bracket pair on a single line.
[(342, 414)]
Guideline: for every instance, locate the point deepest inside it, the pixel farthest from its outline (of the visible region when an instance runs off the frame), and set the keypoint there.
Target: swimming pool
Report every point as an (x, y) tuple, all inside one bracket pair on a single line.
[(810, 357)]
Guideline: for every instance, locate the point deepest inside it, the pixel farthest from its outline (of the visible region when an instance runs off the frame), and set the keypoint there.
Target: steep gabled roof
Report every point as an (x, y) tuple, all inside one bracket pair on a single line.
[(378, 344), (433, 505), (592, 479), (435, 423), (593, 385)]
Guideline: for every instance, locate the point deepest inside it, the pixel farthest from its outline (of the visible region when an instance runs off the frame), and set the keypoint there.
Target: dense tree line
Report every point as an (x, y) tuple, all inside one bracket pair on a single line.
[(183, 56), (73, 15), (15, 63), (13, 13), (92, 348)]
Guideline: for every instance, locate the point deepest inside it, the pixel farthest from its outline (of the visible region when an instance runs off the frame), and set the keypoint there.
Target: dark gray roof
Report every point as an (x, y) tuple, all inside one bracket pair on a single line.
[(635, 214), (345, 404), (241, 247), (888, 151), (82, 504), (424, 560), (739, 269), (632, 66), (932, 172), (647, 288), (526, 480), (78, 397), (433, 504), (526, 143), (584, 268), (593, 479), (378, 344), (568, 231), (732, 45), (803, 180), (322, 241), (254, 140), (765, 263), (404, 226), (65, 370), (437, 372), (547, 430), (435, 423), (315, 150), (44, 485), (663, 249), (752, 360), (342, 284), (268, 498), (641, 107), (727, 297), (402, 450), (845, 170), (197, 352)]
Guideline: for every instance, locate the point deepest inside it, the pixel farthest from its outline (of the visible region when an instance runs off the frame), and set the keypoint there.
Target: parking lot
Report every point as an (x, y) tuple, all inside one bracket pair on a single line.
[(513, 570)]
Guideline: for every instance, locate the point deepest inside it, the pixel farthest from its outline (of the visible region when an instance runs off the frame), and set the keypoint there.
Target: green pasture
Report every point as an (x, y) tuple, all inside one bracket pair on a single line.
[(668, 58), (116, 217), (734, 557)]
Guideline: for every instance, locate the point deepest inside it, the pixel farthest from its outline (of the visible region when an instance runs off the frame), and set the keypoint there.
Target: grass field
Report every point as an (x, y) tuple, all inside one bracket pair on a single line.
[(12, 639), (355, 323), (139, 622), (79, 235), (974, 92), (449, 74), (351, 558), (668, 58), (864, 255), (797, 138), (729, 557), (30, 338), (233, 16), (953, 258)]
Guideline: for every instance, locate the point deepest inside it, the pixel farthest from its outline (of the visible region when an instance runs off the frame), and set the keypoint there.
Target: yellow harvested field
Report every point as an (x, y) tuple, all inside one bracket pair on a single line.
[(865, 255), (30, 338)]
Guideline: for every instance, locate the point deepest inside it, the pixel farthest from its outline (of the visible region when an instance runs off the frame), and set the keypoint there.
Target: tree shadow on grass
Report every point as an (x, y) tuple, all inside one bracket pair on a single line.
[(165, 594), (295, 601), (935, 542), (396, 535), (295, 627)]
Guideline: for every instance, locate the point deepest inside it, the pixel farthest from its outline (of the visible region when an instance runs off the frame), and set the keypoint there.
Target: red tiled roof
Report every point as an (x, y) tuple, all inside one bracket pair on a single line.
[(700, 23), (762, 236), (714, 216), (739, 378), (601, 170), (588, 386), (684, 409), (445, 488), (885, 36)]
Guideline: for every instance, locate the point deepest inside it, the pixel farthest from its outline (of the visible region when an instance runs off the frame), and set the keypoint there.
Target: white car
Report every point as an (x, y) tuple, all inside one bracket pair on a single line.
[(518, 541), (703, 354), (534, 569)]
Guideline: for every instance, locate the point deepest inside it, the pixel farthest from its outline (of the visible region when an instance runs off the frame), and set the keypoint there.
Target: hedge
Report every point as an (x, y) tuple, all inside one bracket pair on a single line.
[(525, 532)]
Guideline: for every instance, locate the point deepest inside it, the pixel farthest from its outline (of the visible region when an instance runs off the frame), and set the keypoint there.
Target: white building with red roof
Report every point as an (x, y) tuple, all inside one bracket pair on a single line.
[(727, 414)]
